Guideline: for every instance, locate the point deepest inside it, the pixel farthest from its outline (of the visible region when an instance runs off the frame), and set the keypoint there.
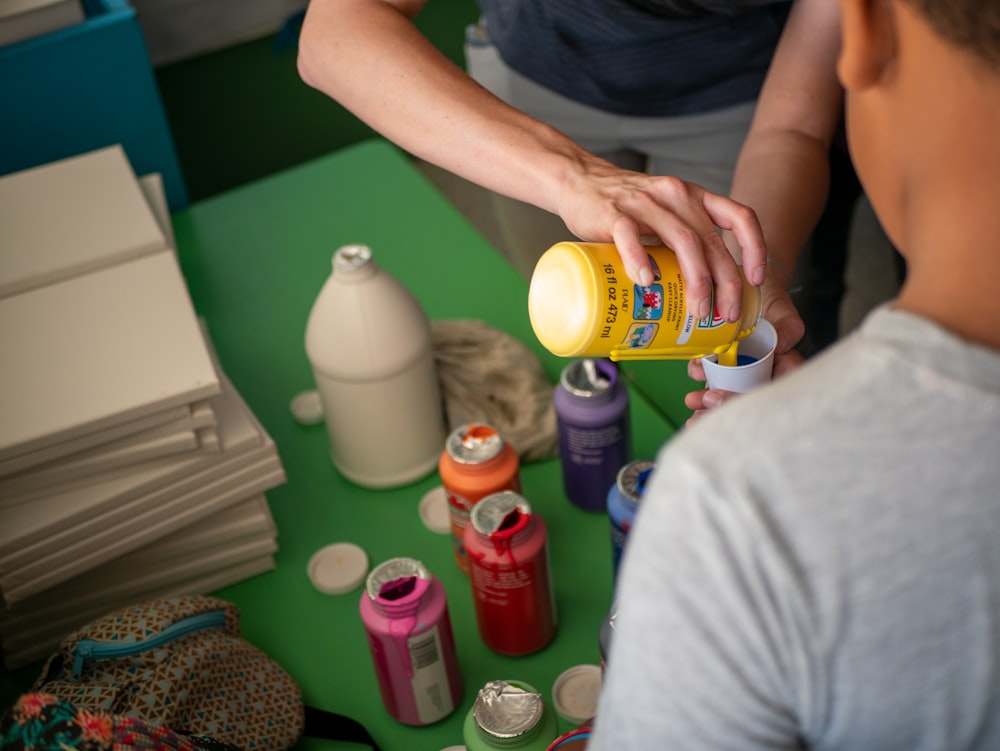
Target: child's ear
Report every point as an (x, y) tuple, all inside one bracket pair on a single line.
[(868, 41)]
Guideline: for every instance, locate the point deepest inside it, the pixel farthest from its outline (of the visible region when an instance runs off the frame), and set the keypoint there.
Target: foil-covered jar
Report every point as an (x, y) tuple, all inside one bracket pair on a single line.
[(509, 715)]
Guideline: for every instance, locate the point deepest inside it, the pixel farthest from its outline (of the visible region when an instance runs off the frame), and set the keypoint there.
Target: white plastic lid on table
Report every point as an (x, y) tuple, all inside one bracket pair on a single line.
[(575, 693), (338, 568), (434, 511)]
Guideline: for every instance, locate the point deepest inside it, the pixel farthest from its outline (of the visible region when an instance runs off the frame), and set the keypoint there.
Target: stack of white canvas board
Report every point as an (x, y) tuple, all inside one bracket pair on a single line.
[(130, 467), (180, 29), (24, 19)]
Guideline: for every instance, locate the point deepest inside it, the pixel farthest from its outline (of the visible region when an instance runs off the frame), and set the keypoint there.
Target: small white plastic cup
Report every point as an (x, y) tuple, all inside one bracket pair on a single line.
[(760, 346)]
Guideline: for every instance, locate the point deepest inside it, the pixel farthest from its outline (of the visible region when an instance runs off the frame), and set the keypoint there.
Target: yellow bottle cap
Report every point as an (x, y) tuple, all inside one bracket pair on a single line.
[(563, 300)]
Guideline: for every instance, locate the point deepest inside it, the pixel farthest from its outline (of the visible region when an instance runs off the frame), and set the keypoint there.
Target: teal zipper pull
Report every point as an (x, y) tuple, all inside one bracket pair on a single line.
[(92, 649)]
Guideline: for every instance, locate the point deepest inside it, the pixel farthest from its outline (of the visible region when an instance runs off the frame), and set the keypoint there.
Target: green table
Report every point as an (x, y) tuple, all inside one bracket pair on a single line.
[(663, 384), (255, 259)]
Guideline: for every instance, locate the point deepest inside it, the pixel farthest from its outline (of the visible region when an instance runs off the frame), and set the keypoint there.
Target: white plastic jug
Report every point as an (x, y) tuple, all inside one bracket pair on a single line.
[(369, 343)]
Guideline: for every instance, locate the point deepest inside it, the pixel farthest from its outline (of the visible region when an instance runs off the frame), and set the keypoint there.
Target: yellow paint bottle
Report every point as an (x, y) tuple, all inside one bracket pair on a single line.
[(582, 304)]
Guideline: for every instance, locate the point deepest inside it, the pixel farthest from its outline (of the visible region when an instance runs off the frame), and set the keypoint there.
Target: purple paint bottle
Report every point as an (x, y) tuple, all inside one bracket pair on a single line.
[(405, 615), (595, 438)]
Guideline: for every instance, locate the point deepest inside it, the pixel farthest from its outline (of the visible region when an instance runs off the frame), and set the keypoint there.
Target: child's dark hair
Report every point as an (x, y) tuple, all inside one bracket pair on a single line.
[(971, 24)]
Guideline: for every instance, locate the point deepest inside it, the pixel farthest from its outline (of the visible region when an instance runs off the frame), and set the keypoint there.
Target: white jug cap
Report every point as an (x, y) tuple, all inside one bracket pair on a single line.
[(434, 511), (351, 257), (338, 568)]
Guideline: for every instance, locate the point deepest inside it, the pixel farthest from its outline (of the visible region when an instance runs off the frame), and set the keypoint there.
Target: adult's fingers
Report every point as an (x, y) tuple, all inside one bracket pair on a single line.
[(701, 214), (625, 233), (696, 371), (672, 209), (742, 221), (685, 218)]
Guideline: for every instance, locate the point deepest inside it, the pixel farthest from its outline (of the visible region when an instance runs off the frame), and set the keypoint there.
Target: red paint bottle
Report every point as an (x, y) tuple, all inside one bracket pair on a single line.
[(507, 546)]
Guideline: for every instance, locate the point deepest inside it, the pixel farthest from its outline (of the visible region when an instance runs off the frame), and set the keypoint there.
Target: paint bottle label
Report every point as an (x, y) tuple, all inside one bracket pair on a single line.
[(429, 675)]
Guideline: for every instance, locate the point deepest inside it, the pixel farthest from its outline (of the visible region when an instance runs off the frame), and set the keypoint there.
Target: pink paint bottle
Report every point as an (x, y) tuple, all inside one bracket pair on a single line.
[(405, 615)]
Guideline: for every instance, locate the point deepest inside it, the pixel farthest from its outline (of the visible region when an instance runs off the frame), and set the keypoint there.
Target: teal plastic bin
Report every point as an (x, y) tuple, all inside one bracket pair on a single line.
[(84, 87)]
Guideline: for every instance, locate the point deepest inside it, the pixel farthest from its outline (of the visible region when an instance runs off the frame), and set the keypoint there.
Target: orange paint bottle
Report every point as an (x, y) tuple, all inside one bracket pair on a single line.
[(476, 462)]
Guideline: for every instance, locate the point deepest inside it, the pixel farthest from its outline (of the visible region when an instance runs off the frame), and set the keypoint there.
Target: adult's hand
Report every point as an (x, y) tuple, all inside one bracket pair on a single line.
[(370, 57), (604, 203), (778, 308)]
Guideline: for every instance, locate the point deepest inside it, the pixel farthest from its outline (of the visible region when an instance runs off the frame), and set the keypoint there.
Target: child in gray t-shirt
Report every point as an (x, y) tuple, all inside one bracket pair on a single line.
[(817, 564)]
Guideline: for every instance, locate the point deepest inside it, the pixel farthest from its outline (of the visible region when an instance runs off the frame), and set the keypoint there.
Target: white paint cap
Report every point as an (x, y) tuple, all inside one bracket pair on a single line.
[(307, 409), (434, 511), (338, 568), (576, 691)]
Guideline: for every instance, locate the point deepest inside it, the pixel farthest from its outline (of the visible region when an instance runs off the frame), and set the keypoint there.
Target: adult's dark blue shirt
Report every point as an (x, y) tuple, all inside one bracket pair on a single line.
[(640, 57)]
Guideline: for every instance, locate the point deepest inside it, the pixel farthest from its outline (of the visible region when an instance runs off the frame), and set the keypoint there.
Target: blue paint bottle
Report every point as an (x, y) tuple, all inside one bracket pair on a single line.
[(623, 502)]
